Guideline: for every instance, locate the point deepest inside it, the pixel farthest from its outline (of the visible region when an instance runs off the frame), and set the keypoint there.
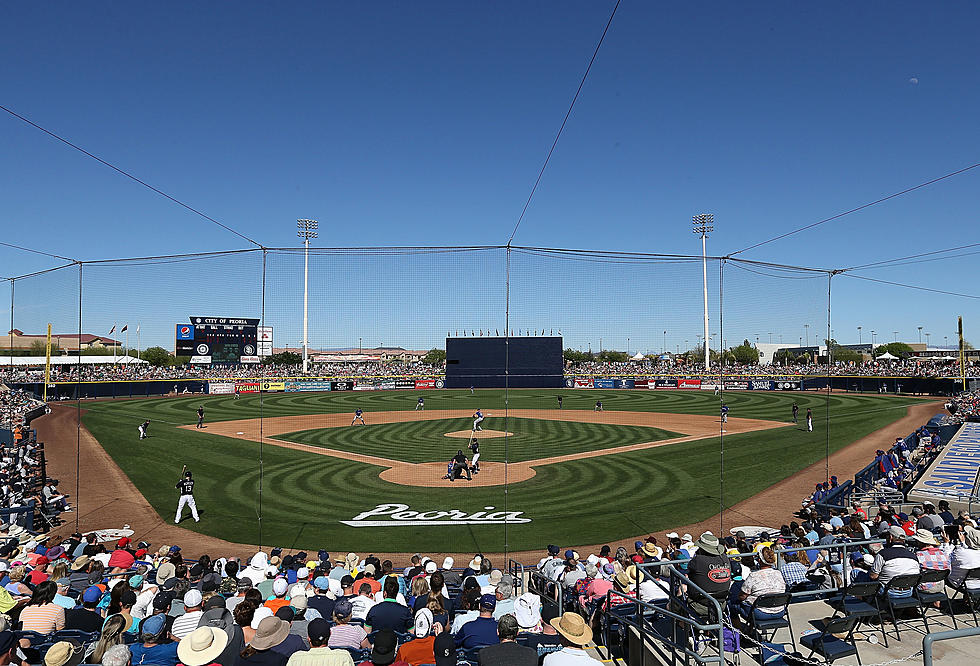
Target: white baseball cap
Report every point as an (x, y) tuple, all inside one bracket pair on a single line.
[(279, 587)]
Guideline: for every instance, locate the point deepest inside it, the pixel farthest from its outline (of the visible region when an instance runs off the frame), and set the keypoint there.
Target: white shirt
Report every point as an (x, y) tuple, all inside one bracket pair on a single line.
[(650, 592), (463, 618), (379, 596), (361, 606), (186, 623), (962, 560), (569, 656)]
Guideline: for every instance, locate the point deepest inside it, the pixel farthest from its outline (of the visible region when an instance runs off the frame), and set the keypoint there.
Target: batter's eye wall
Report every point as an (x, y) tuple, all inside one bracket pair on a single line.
[(533, 362)]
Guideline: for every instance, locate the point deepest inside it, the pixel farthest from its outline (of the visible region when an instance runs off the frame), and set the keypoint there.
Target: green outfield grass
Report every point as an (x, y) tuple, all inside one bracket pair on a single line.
[(577, 502), (426, 441)]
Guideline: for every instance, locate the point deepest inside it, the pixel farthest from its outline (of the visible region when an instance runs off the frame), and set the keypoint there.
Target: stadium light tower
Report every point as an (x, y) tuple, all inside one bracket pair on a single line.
[(306, 229), (704, 224), (859, 335), (920, 334)]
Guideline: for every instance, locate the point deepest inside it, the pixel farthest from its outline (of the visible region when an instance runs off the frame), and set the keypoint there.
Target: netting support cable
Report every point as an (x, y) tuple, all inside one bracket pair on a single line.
[(10, 334), (127, 175), (858, 208), (561, 129), (78, 407), (41, 252), (261, 406)]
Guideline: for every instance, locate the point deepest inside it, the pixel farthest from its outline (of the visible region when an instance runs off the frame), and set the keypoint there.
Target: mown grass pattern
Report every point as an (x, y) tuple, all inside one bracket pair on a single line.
[(575, 502)]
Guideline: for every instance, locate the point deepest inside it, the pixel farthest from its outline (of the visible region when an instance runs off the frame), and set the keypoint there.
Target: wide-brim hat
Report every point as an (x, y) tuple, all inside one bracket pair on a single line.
[(66, 653), (204, 644), (475, 563), (573, 627), (925, 536), (271, 632), (627, 577), (709, 543), (80, 563), (652, 549)]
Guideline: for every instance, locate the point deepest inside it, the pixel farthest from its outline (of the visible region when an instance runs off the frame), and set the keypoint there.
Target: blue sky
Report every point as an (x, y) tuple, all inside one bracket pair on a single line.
[(426, 124)]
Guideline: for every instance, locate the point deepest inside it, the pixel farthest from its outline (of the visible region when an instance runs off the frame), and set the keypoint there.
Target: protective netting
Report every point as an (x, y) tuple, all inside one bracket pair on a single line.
[(283, 458)]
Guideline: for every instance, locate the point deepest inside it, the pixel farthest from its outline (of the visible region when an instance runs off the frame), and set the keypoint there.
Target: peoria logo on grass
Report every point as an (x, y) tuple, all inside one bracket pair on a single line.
[(401, 515)]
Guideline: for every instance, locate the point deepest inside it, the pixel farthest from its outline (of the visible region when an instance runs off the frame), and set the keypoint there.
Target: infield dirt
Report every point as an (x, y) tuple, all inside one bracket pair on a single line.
[(109, 499)]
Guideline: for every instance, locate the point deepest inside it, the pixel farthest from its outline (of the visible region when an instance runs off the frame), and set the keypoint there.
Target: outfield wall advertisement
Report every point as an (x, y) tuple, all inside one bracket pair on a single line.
[(690, 384)]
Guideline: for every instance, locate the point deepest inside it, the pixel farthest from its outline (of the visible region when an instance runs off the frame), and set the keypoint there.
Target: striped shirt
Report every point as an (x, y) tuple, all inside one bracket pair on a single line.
[(346, 635), (186, 623), (43, 619)]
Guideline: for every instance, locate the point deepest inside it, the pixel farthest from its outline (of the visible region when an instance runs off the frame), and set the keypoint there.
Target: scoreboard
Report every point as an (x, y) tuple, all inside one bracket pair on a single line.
[(218, 340)]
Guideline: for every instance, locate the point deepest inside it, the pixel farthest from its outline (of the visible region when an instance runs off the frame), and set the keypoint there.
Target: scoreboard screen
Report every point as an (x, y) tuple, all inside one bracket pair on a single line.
[(218, 340)]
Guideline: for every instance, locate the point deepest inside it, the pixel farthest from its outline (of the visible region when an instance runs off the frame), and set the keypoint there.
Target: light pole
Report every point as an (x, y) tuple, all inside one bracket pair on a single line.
[(770, 337), (627, 346), (306, 229), (665, 342), (873, 340), (896, 335), (806, 329), (920, 335), (360, 345), (859, 335), (703, 224)]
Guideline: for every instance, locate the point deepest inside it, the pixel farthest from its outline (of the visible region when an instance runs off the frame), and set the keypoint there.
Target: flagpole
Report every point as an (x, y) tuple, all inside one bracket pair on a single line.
[(138, 346), (127, 348), (114, 343)]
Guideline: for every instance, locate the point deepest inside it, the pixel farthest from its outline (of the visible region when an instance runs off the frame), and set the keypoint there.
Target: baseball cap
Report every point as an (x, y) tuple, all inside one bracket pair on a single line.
[(343, 608), (285, 613), (549, 612), (430, 567), (553, 550), (91, 594), (244, 584), (318, 630), (896, 532), (279, 587), (153, 624), (423, 623), (347, 581), (488, 602), (162, 600), (444, 648), (448, 563), (302, 573), (192, 598), (856, 557), (321, 583), (64, 582)]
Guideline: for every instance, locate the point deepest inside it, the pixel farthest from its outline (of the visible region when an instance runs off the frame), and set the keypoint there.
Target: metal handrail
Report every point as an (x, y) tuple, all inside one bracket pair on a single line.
[(931, 638)]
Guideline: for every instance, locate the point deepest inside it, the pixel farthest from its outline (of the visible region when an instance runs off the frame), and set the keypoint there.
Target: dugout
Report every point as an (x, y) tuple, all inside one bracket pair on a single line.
[(495, 362)]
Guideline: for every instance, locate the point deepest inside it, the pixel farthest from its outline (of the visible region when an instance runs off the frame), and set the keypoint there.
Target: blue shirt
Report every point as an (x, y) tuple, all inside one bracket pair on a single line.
[(163, 655), (477, 633)]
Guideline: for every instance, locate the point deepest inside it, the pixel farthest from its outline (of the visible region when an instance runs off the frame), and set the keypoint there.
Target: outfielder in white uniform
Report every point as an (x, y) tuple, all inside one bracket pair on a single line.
[(477, 420), (186, 488)]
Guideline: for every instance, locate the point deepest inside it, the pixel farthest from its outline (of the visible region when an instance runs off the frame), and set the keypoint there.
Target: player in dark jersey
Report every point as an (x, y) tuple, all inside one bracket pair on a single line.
[(796, 412), (420, 405), (186, 489), (598, 406), (200, 416), (459, 466), (475, 448), (559, 402), (358, 416), (143, 428)]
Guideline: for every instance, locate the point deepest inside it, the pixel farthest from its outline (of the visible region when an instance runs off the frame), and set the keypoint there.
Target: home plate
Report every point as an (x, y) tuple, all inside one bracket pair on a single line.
[(239, 433)]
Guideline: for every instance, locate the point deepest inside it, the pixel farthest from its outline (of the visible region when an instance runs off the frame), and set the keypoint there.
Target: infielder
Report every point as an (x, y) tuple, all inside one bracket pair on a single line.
[(809, 420), (200, 416), (358, 416), (144, 426), (420, 406), (724, 413), (598, 406), (559, 402), (186, 489), (475, 448), (796, 412), (477, 420)]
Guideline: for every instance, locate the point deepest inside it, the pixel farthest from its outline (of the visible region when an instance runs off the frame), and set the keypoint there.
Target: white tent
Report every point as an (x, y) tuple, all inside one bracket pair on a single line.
[(639, 357), (886, 357)]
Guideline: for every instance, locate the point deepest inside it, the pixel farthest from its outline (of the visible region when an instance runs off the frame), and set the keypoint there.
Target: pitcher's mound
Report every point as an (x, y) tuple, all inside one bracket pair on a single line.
[(479, 434)]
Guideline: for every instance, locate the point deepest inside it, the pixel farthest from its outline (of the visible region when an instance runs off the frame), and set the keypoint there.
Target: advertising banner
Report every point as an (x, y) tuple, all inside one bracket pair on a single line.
[(710, 387), (365, 386), (250, 359), (780, 385), (736, 386), (342, 386), (641, 383), (425, 383), (221, 388), (623, 383), (306, 385), (604, 383), (200, 360), (688, 383), (388, 386), (440, 383), (247, 387), (953, 475), (664, 384), (583, 383), (404, 383), (273, 387), (761, 385), (569, 382)]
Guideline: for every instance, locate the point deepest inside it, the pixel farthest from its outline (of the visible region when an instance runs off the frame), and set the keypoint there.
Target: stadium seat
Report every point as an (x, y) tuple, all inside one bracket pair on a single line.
[(971, 597), (827, 644), (861, 600), (910, 603), (766, 628), (929, 598)]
